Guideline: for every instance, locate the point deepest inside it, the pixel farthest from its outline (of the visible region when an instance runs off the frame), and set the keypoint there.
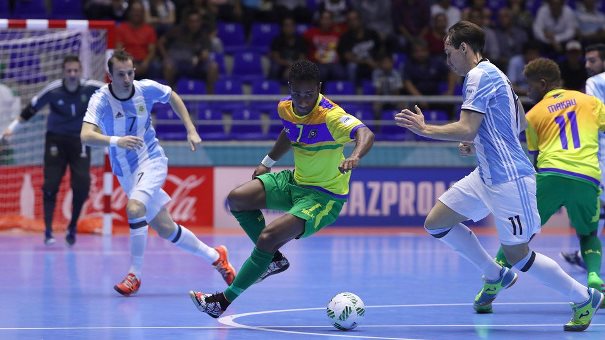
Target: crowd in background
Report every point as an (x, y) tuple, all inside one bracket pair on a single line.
[(380, 46)]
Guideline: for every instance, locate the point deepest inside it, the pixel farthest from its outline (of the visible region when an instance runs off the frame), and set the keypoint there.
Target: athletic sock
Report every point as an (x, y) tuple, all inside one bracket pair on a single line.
[(186, 240), (138, 241), (464, 242), (251, 270), (550, 273), (591, 250)]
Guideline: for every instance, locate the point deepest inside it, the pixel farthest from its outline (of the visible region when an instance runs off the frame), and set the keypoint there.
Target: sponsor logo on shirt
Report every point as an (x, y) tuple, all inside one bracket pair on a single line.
[(119, 115), (312, 133), (346, 120)]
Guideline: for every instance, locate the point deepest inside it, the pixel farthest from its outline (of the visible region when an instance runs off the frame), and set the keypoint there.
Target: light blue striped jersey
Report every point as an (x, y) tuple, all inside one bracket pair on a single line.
[(488, 91), (595, 86), (128, 117)]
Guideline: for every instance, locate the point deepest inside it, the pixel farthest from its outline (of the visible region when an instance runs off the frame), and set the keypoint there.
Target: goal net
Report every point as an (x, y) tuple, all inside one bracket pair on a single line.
[(31, 56)]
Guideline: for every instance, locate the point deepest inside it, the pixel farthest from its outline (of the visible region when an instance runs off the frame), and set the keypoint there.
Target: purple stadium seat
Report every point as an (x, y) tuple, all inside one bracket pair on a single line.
[(265, 87), (399, 61), (367, 87), (232, 35), (247, 66), (231, 86), (363, 112), (247, 125), (210, 125), (435, 116), (339, 87), (390, 131), (261, 36), (219, 58), (461, 4), (168, 125), (190, 86), (276, 125)]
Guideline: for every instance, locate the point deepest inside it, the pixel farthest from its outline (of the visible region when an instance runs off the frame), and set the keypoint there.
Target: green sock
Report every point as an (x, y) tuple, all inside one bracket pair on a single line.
[(594, 281), (251, 270), (591, 250), (501, 259), (253, 222)]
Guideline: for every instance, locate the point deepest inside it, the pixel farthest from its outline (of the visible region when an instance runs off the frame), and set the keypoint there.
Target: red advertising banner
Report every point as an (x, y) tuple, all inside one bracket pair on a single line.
[(191, 190)]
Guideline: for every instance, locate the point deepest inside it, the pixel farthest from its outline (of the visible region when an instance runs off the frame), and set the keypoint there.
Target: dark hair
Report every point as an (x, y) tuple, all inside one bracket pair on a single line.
[(119, 55), (70, 59), (304, 70), (543, 68), (466, 31), (597, 47)]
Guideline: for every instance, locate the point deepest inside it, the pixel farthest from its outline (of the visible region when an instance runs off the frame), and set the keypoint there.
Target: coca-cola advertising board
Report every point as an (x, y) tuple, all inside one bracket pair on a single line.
[(189, 187)]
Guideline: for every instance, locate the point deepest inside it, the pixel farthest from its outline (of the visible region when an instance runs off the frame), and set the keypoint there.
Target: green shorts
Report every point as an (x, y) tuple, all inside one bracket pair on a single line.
[(318, 209), (579, 197)]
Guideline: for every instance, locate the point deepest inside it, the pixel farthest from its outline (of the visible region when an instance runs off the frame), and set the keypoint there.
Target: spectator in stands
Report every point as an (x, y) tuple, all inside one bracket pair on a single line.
[(554, 26), (452, 13), (228, 10), (510, 38), (186, 50), (436, 35), (522, 17), (161, 14), (106, 9), (375, 15), (491, 49), (357, 48), (516, 64), (591, 22), (481, 7), (139, 39), (387, 82), (410, 21), (257, 11), (68, 100), (573, 72), (207, 9), (322, 42), (423, 74), (286, 48), (296, 9), (339, 10)]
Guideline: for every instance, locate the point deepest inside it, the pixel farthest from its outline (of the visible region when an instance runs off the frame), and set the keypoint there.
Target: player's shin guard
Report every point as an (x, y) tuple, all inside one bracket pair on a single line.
[(550, 273), (253, 222), (251, 270), (138, 241)]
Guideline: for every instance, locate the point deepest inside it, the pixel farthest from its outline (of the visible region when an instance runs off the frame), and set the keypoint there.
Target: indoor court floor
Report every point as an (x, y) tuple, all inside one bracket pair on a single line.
[(412, 285)]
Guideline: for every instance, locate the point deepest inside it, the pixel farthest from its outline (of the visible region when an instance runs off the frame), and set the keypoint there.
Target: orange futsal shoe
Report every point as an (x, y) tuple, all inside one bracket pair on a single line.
[(223, 266), (129, 285)]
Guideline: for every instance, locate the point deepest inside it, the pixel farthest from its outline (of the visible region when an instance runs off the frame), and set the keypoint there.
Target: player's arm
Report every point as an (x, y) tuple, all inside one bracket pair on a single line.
[(29, 111), (179, 107), (281, 146), (465, 129), (91, 135), (364, 139)]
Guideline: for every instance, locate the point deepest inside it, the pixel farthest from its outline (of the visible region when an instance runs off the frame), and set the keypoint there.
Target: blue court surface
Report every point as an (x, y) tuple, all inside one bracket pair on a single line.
[(413, 286)]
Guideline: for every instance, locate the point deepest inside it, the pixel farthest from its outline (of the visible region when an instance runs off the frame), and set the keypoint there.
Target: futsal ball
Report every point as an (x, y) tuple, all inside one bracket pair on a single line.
[(345, 310)]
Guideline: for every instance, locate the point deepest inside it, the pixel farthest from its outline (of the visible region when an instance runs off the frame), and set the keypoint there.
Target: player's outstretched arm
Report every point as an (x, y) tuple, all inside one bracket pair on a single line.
[(179, 107), (281, 146), (465, 129), (364, 139), (91, 135)]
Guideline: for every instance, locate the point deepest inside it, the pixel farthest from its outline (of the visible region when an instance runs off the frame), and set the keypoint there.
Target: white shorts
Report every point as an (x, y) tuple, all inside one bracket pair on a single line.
[(513, 205), (145, 186)]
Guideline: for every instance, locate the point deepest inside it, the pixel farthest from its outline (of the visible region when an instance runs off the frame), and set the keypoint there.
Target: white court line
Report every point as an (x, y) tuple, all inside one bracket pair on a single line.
[(107, 327), (229, 320)]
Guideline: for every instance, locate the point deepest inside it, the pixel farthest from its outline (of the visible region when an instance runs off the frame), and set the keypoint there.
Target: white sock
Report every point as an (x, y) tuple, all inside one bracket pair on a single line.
[(550, 273), (186, 240), (138, 241), (464, 242)]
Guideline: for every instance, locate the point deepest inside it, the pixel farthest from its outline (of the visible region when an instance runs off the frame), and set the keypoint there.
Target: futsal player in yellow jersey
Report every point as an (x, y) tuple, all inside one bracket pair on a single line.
[(562, 134), (312, 195)]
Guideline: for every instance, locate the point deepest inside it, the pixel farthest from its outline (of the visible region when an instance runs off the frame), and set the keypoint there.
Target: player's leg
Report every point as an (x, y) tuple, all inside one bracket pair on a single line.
[(79, 166), (460, 203), (583, 207), (55, 163), (517, 221), (183, 238), (550, 196)]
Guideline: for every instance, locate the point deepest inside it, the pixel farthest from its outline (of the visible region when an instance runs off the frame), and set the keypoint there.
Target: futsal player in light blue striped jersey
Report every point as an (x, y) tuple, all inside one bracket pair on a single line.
[(503, 184)]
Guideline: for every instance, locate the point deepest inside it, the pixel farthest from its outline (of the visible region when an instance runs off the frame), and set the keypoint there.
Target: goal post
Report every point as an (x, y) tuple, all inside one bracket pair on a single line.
[(31, 56)]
